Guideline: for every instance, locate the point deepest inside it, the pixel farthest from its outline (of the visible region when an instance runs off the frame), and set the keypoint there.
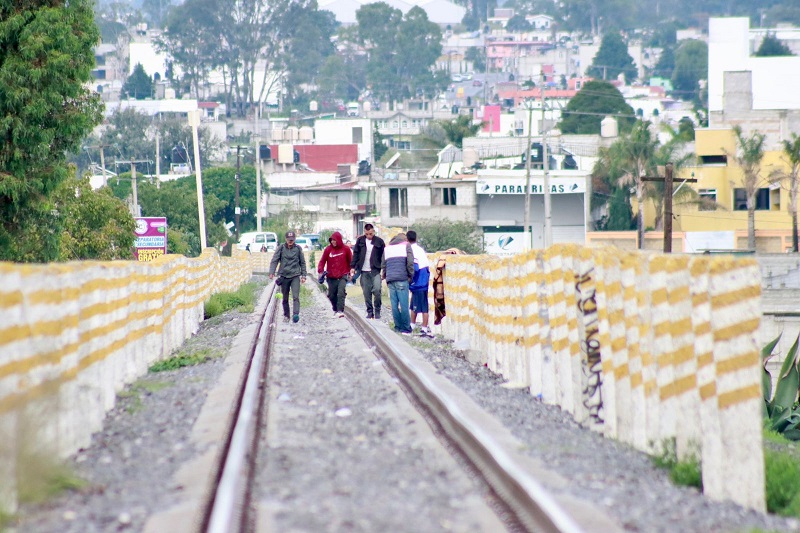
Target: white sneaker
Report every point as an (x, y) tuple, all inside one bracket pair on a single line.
[(340, 315)]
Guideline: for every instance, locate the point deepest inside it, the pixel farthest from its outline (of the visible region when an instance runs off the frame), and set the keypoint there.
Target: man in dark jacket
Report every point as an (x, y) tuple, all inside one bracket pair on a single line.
[(398, 269), (337, 257), (292, 273), (367, 259)]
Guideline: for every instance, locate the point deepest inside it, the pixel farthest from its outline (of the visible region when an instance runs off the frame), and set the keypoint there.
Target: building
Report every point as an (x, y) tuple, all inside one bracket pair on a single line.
[(501, 200), (441, 12)]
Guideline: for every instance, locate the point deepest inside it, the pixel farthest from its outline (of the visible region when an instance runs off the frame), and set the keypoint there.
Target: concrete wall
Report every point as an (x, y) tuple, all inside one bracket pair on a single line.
[(643, 348), (74, 334)]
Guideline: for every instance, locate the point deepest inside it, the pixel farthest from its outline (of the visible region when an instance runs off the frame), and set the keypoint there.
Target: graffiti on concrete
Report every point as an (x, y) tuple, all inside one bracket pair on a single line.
[(590, 345)]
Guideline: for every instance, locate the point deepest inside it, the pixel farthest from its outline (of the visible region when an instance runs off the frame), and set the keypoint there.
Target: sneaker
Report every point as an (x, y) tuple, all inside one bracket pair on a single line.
[(425, 332), (286, 318), (296, 318), (377, 316), (406, 333), (340, 314), (369, 316)]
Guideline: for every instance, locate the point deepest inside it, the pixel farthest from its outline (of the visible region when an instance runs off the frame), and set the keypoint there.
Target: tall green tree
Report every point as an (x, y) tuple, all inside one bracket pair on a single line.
[(691, 66), (789, 177), (772, 46), (46, 60), (438, 234), (402, 51), (612, 59), (456, 129), (595, 101), (138, 85), (96, 224), (748, 156)]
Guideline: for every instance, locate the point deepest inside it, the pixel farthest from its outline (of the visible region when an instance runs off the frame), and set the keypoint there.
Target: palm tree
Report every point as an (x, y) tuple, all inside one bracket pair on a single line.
[(462, 126), (627, 161), (749, 153), (791, 149), (671, 152)]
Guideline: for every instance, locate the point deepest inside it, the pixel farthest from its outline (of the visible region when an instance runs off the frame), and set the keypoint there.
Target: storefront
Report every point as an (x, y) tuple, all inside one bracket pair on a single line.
[(501, 207)]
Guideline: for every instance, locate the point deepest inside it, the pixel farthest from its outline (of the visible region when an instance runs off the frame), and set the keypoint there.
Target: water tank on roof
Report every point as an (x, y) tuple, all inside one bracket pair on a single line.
[(609, 128), (313, 106), (367, 106), (285, 154), (291, 133), (306, 134)]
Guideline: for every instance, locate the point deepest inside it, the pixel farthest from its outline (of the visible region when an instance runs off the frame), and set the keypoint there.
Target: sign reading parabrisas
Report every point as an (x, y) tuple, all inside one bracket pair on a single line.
[(151, 238), (517, 186)]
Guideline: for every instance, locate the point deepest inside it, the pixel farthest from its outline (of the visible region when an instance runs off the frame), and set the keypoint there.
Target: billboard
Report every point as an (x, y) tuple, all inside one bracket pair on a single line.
[(151, 238)]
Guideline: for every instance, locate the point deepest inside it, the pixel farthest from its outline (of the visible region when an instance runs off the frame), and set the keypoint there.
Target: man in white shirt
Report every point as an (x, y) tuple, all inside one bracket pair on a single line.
[(419, 284), (367, 258)]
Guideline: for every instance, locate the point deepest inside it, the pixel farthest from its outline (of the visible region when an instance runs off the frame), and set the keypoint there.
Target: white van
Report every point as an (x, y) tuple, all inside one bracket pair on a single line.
[(352, 109), (258, 239)]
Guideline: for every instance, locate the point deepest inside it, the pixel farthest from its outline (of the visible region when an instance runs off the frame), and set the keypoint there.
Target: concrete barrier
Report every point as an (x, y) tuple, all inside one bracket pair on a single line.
[(74, 334), (659, 351)]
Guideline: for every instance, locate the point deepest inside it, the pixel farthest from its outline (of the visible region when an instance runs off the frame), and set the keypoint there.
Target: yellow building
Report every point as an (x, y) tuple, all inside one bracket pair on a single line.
[(721, 180)]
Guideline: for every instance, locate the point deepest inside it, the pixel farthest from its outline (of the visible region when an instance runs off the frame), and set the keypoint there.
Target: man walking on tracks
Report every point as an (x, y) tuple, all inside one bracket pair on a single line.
[(337, 257), (398, 269), (367, 258), (291, 274), (419, 284)]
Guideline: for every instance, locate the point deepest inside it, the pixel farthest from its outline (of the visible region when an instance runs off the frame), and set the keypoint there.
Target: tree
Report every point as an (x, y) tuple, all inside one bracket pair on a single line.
[(691, 66), (96, 224), (138, 85), (666, 63), (308, 46), (595, 101), (626, 162), (46, 60), (440, 234), (791, 149), (518, 23), (772, 46), (749, 153), (612, 59), (402, 51), (478, 58), (455, 130)]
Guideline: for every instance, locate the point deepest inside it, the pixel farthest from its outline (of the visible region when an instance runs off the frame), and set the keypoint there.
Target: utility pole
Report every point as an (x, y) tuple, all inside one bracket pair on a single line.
[(257, 136), (237, 209), (548, 224), (194, 122), (668, 181), (527, 222), (134, 188)]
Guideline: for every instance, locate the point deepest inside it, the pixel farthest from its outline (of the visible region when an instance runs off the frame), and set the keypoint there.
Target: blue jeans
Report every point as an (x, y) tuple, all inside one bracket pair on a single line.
[(398, 295)]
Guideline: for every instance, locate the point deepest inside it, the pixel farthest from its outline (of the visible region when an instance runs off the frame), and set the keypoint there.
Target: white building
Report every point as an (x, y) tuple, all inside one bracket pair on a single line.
[(356, 131), (441, 12), (757, 93)]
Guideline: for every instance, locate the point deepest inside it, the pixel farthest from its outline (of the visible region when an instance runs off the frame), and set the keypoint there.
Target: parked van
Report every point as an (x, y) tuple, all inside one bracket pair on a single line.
[(352, 109), (258, 239)]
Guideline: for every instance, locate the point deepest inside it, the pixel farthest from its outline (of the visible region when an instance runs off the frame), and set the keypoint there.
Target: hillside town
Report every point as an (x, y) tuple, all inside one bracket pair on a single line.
[(374, 159)]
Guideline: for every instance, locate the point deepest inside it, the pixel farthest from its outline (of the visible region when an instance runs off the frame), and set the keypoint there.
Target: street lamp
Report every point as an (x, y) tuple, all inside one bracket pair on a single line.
[(194, 122)]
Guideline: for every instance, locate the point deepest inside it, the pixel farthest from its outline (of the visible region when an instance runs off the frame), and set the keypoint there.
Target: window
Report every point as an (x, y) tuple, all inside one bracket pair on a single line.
[(398, 202), (713, 159), (708, 199), (740, 200), (445, 196), (357, 136)]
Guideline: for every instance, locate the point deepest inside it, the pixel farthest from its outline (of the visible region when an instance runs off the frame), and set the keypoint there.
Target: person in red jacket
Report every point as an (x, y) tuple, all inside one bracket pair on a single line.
[(336, 260)]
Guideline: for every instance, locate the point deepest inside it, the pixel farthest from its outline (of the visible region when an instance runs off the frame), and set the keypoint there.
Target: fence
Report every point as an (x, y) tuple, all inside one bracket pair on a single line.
[(74, 334), (649, 349)]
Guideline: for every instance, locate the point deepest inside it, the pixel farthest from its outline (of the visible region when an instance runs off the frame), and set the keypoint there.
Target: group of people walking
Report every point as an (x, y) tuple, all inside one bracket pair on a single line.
[(403, 264)]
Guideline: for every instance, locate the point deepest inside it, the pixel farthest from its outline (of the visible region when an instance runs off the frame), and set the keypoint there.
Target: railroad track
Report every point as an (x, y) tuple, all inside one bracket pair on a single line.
[(522, 501)]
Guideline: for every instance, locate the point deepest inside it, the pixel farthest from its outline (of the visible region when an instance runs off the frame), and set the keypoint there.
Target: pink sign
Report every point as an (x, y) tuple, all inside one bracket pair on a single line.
[(151, 238)]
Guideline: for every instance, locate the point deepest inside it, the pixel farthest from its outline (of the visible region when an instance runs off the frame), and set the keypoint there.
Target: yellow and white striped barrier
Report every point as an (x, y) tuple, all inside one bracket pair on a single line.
[(654, 350), (74, 334)]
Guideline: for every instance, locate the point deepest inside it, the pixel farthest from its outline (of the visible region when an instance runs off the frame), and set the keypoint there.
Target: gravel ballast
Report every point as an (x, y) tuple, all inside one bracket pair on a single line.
[(320, 360)]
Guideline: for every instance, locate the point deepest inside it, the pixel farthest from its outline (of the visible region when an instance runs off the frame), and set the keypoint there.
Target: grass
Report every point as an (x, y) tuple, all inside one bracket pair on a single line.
[(243, 300), (183, 359), (133, 393), (782, 471), (45, 478), (686, 472), (306, 296)]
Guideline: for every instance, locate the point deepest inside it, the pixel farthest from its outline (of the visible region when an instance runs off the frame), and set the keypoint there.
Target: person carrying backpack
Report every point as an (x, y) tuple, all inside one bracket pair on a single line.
[(292, 273)]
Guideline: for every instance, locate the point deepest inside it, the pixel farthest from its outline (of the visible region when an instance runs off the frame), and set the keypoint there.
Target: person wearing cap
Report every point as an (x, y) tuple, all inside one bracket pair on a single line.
[(336, 258), (291, 274)]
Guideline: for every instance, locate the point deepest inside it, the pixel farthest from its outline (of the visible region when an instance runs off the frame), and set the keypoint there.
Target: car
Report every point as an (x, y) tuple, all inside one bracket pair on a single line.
[(477, 83), (314, 240), (258, 239), (304, 243)]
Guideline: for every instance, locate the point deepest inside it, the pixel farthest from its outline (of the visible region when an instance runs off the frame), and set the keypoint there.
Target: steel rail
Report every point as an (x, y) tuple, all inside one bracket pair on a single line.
[(534, 508), (228, 509)]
